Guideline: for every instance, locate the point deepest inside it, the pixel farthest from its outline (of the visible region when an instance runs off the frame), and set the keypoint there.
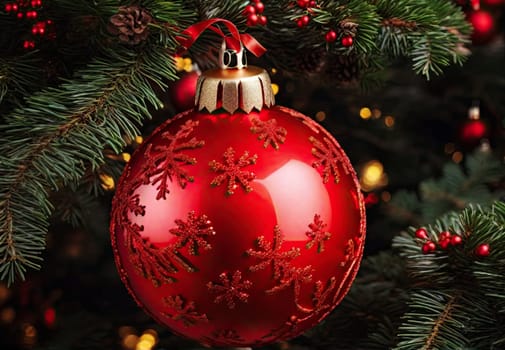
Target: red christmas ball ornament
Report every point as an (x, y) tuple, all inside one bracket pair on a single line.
[(474, 129), (252, 19), (483, 27), (249, 10), (238, 223), (182, 92), (262, 20), (260, 7), (482, 250)]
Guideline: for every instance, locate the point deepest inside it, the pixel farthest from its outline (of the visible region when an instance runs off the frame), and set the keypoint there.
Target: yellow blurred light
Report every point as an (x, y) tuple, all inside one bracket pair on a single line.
[(373, 175), (376, 113), (449, 148), (146, 337), (457, 157), (107, 182), (144, 345), (386, 196), (275, 88), (320, 116), (7, 315), (365, 113), (153, 333), (130, 341), (389, 121), (274, 71), (126, 157), (139, 139)]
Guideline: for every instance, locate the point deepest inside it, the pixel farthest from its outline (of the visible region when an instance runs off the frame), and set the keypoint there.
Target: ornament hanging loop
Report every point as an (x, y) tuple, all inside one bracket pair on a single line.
[(235, 40), (232, 59)]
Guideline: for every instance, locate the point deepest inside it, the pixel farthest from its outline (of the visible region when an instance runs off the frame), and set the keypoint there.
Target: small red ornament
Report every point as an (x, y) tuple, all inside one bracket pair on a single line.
[(312, 3), (421, 233), (28, 44), (15, 7), (205, 234), (483, 27), (456, 240), (475, 4), (331, 36), (8, 7), (474, 129), (262, 20), (482, 250), (182, 92), (347, 41), (429, 247), (19, 15)]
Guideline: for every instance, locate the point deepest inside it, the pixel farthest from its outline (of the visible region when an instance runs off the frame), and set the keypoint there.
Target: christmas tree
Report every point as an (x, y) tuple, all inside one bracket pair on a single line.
[(412, 90)]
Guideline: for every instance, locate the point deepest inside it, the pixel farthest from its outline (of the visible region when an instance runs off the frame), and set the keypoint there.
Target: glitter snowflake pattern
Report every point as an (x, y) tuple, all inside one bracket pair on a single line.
[(231, 171), (350, 250), (230, 289), (320, 306), (317, 234), (166, 162), (328, 157), (183, 311), (270, 254), (269, 132), (284, 273), (193, 233), (160, 265)]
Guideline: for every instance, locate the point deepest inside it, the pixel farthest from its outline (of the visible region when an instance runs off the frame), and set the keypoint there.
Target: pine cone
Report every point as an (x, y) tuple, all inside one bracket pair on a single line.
[(312, 61), (130, 24), (344, 68)]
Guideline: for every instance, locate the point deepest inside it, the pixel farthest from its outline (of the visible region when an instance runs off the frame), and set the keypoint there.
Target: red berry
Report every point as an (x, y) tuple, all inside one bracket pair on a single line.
[(347, 41), (312, 3), (444, 235), (249, 10), (259, 7), (456, 240), (331, 36), (444, 243), (482, 250), (422, 233), (252, 19), (20, 15), (305, 20), (262, 20), (8, 7), (34, 14), (14, 7), (28, 44), (303, 3), (42, 30), (429, 247)]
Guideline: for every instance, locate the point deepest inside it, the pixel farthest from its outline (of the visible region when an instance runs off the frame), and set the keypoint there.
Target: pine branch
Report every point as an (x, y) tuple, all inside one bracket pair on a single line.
[(457, 299), (454, 190)]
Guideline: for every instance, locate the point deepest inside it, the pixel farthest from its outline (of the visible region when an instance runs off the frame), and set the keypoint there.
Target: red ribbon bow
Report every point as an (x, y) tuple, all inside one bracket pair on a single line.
[(234, 41)]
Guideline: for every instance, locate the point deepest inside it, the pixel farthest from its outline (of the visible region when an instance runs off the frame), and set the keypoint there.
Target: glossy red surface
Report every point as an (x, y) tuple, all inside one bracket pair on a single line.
[(238, 230)]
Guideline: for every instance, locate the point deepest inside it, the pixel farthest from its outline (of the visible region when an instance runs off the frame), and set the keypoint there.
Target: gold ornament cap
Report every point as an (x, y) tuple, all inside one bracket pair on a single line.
[(234, 86)]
